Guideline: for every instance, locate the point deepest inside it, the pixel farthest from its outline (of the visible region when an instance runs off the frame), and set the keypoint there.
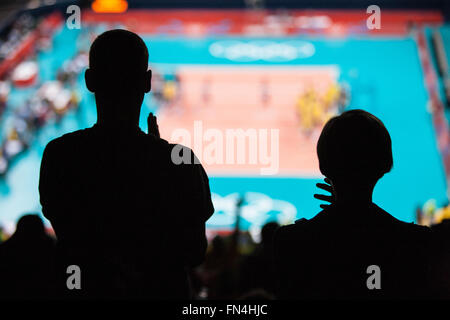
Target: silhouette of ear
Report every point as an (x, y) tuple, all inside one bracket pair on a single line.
[(148, 81), (89, 78)]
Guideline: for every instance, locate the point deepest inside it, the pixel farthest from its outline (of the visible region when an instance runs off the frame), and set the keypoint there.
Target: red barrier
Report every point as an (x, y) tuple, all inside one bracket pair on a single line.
[(263, 22), (437, 108), (23, 50), (27, 46)]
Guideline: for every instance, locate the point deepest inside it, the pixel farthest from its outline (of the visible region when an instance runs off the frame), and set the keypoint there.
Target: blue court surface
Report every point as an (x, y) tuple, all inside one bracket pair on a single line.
[(385, 78)]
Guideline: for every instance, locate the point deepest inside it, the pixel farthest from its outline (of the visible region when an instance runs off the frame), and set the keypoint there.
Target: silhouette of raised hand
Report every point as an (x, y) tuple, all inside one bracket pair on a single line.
[(152, 125), (327, 186)]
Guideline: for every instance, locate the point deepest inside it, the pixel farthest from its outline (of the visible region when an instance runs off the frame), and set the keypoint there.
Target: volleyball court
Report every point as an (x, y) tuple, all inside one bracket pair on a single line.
[(296, 100)]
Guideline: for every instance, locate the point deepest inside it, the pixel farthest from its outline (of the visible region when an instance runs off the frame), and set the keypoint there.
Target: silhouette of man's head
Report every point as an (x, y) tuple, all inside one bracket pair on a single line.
[(354, 147), (30, 225), (118, 75)]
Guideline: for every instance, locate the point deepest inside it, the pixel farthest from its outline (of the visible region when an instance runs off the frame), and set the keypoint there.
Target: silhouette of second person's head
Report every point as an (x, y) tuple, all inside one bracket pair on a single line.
[(354, 151), (118, 75)]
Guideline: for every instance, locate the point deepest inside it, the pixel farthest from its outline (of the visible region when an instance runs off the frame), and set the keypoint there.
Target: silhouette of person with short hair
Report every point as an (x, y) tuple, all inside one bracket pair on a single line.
[(131, 219), (328, 256), (27, 261)]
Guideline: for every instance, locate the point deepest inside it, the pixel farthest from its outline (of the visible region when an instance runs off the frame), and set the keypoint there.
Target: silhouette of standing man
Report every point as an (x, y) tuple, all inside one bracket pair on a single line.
[(352, 249), (131, 219)]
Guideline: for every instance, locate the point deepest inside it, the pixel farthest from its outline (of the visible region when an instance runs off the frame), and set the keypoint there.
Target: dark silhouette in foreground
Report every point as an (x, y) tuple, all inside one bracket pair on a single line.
[(440, 266), (256, 270), (329, 256), (27, 261), (131, 219)]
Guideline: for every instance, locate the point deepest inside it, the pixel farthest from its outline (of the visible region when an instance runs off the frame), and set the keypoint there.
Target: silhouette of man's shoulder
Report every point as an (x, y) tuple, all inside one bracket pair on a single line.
[(73, 151), (71, 142), (303, 225), (287, 235), (86, 136), (408, 230), (327, 220), (69, 147), (65, 141)]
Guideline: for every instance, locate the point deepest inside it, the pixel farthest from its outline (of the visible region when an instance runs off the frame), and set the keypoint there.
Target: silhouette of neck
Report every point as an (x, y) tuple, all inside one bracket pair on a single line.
[(353, 193), (119, 114)]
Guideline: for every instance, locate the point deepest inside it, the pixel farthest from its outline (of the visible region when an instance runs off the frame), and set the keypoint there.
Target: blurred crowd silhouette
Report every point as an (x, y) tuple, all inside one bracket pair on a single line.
[(230, 270), (131, 217)]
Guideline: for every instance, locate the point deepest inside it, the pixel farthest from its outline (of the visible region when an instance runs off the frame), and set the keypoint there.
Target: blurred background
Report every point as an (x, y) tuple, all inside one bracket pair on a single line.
[(261, 66)]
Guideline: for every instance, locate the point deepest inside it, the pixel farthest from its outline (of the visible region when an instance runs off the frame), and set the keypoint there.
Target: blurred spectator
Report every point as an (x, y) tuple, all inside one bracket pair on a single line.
[(257, 270), (27, 260), (2, 234), (216, 272)]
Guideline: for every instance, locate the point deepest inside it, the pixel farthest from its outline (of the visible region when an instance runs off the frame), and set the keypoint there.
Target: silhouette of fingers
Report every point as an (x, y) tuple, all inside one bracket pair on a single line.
[(152, 125), (328, 188), (325, 187), (324, 197)]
